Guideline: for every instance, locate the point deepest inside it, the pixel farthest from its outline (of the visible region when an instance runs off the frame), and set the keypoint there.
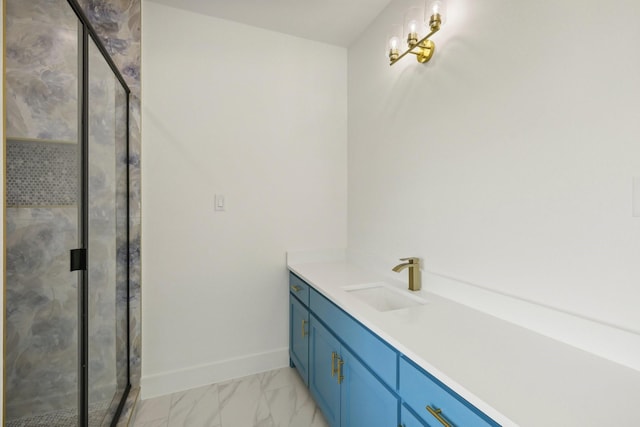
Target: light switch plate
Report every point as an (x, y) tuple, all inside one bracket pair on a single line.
[(219, 203)]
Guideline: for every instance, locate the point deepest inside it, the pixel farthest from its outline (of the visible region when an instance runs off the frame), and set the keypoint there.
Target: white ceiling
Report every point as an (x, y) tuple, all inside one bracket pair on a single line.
[(337, 22)]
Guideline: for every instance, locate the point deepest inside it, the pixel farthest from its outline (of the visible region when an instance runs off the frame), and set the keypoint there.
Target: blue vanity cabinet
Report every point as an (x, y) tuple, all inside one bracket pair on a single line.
[(376, 354), (364, 400), (299, 289), (359, 380), (299, 326), (299, 337), (434, 402), (324, 355), (407, 419), (347, 392)]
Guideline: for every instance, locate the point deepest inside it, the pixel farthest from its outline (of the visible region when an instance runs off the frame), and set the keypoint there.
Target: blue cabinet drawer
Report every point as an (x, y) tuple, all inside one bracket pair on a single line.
[(431, 399), (299, 288), (381, 358)]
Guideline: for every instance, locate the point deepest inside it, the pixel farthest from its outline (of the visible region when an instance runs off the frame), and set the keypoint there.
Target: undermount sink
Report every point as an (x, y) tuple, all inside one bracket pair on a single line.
[(383, 297)]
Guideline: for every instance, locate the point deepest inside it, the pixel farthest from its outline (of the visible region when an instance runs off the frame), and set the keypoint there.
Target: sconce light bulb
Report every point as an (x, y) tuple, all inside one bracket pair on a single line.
[(393, 48), (436, 11), (412, 38), (393, 43), (413, 26)]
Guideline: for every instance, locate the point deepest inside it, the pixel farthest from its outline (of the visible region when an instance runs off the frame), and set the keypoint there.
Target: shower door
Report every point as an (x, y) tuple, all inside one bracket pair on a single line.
[(106, 211), (66, 229)]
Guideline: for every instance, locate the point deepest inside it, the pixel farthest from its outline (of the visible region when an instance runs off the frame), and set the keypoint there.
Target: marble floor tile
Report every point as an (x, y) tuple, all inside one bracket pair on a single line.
[(162, 422), (199, 407), (293, 406), (277, 398), (285, 377), (153, 409), (242, 403)]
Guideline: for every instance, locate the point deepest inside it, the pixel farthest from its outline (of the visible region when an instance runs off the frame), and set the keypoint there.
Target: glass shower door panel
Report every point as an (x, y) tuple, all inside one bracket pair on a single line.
[(107, 245), (41, 220)]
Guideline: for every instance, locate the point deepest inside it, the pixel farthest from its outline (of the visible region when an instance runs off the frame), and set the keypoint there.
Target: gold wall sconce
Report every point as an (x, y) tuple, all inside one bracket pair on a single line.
[(419, 25)]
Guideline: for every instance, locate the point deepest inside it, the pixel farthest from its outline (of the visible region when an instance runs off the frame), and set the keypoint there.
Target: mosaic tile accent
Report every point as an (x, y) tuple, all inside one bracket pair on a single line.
[(41, 173)]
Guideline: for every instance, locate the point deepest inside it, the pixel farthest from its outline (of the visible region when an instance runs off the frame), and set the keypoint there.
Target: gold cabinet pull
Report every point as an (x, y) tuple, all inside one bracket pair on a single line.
[(436, 413), (304, 323), (296, 288), (334, 356), (340, 376)]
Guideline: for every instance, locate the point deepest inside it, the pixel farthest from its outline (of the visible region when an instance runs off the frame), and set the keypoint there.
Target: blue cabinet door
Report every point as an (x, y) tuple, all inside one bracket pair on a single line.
[(324, 353), (365, 401), (409, 420), (299, 337)]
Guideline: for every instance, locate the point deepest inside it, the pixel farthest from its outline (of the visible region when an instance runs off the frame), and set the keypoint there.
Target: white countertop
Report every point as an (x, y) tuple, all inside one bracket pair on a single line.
[(514, 375)]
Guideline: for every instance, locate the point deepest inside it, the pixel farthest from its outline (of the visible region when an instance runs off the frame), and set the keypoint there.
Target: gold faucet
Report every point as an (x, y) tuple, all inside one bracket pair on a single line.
[(414, 274)]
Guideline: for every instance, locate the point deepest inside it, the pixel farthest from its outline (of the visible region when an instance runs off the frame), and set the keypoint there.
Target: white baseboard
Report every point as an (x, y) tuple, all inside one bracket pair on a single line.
[(210, 373)]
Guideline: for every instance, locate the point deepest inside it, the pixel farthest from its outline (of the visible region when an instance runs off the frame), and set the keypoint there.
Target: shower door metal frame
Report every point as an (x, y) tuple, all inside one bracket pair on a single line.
[(89, 33)]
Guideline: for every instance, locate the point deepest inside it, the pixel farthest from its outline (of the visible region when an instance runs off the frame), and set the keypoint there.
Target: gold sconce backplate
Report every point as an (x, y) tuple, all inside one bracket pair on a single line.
[(425, 51)]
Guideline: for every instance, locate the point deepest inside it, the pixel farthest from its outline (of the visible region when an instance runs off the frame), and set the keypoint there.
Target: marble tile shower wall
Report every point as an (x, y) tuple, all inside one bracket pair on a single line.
[(41, 70), (41, 294), (41, 311), (41, 301)]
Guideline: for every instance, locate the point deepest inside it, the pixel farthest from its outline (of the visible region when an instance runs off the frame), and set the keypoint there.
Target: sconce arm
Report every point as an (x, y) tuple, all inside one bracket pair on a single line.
[(420, 42)]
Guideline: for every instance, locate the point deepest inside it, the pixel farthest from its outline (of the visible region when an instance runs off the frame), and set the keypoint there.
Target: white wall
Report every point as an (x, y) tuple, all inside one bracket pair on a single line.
[(261, 118), (507, 161), (2, 210)]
